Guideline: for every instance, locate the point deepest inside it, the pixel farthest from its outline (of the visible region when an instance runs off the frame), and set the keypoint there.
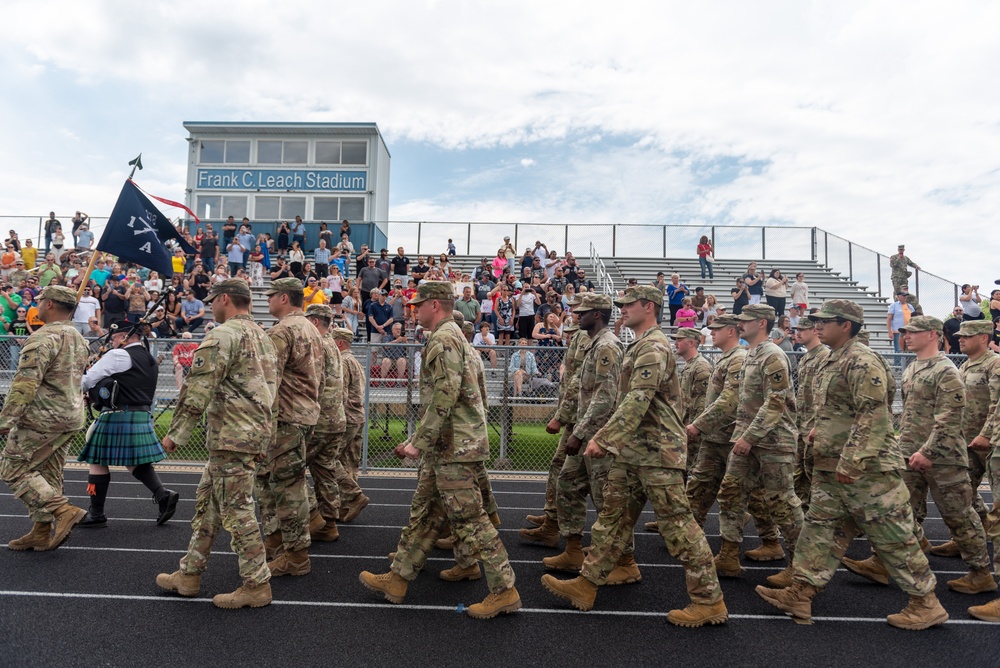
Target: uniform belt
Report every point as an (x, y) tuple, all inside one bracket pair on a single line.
[(130, 409)]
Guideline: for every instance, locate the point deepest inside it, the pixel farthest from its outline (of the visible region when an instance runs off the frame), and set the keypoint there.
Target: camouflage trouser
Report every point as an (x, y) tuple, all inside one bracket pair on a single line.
[(451, 491), (464, 556), (952, 492), (993, 518), (978, 460), (803, 472), (899, 281), (579, 475), (552, 484), (282, 491), (771, 472), (703, 483), (32, 466), (322, 452), (225, 498), (347, 464), (876, 503), (693, 447), (628, 489)]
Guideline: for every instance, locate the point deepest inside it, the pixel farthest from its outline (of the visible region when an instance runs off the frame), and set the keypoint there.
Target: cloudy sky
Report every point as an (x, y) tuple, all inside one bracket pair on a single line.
[(879, 121)]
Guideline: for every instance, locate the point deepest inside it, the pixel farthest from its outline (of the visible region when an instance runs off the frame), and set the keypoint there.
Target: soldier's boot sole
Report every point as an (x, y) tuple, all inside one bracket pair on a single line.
[(990, 612), (505, 602), (456, 573), (949, 549), (67, 517), (580, 595), (699, 614), (244, 597)]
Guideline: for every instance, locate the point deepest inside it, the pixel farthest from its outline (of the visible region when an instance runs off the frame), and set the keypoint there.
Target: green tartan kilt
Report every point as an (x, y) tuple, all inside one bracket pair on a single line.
[(123, 438)]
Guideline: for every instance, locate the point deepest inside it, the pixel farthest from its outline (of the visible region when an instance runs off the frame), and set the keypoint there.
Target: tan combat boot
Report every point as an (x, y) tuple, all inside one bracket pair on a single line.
[(36, 539), (989, 612), (390, 584), (699, 614), (316, 522), (446, 541), (535, 520), (580, 591), (495, 520), (181, 583), (547, 534), (506, 601), (925, 545), (796, 599), (727, 562), (871, 568), (354, 508), (626, 571), (456, 573), (571, 560), (782, 579), (294, 562), (923, 612), (771, 550), (651, 526), (949, 549), (67, 517), (328, 534), (248, 595), (273, 545), (976, 581)]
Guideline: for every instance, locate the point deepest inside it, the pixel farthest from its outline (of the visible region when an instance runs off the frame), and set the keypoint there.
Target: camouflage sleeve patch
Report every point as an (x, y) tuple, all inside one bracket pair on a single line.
[(869, 382), (776, 372), (952, 389)]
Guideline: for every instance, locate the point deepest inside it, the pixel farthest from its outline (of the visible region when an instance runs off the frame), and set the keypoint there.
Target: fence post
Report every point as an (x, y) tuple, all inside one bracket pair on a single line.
[(916, 282), (565, 239), (878, 272), (955, 285), (763, 243), (504, 408), (850, 261), (813, 245), (368, 389), (419, 230), (614, 240), (468, 240), (715, 251), (40, 235), (826, 249), (664, 241)]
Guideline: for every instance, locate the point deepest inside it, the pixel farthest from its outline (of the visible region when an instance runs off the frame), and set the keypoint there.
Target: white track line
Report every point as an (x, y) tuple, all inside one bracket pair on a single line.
[(437, 608)]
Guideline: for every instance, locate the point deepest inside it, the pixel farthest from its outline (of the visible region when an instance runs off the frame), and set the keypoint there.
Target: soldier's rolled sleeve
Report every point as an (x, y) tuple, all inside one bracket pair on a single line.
[(207, 371), (447, 383), (949, 404), (34, 361), (778, 391)]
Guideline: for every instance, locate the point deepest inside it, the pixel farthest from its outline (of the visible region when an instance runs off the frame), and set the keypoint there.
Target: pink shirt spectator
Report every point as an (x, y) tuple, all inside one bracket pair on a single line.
[(686, 317)]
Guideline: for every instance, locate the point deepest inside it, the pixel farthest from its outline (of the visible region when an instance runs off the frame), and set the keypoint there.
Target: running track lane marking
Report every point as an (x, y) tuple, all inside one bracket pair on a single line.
[(166, 598)]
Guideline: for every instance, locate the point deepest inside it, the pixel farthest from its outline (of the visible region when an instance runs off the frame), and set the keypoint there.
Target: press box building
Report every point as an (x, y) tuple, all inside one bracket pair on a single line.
[(270, 172)]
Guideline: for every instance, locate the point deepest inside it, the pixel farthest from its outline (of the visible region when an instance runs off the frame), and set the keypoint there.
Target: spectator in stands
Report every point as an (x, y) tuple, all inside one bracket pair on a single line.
[(48, 271), (800, 293), (951, 327), (335, 289), (660, 283), (451, 248), (794, 315), (676, 292), (776, 291), (172, 306), (137, 297), (970, 300), (361, 259), (256, 266), (234, 255), (541, 252), (94, 329), (447, 268), (29, 254), (14, 241), (706, 333), (899, 316), (380, 318), (551, 300), (340, 261), (567, 296), (296, 258), (500, 263), (394, 357), (558, 282), (58, 241), (183, 356), (434, 272), (550, 264), (298, 232), (351, 309), (523, 366), (84, 237), (383, 263), (321, 256), (686, 316), (706, 257), (754, 282), (400, 266), (228, 231), (548, 334), (161, 324), (397, 299), (484, 342), (420, 269), (582, 282), (995, 305), (698, 301), (504, 312), (115, 303), (312, 293), (192, 313), (283, 233), (154, 283), (371, 278), (347, 250), (741, 296), (508, 253), (326, 234), (469, 306), (8, 261), (483, 268), (781, 333)]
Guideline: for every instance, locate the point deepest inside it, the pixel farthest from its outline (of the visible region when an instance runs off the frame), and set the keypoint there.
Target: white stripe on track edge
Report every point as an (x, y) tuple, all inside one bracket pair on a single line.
[(166, 598)]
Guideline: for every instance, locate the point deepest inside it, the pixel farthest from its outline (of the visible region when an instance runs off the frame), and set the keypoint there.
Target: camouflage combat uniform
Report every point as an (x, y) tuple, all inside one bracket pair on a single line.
[(452, 436), (598, 393), (981, 377), (326, 441), (765, 418), (232, 382), (349, 462), (933, 404), (281, 478), (43, 411), (854, 437), (649, 446), (900, 274), (991, 432), (806, 407), (695, 378)]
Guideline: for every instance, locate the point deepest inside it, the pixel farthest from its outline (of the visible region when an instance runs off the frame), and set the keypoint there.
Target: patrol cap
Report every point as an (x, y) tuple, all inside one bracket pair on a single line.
[(320, 311), (593, 301), (725, 320), (687, 333), (757, 312), (805, 322), (458, 316), (923, 323), (58, 293), (901, 247), (569, 329), (864, 336), (468, 328), (844, 309), (637, 292), (342, 334), (285, 285), (576, 300), (974, 328), (433, 290), (230, 286)]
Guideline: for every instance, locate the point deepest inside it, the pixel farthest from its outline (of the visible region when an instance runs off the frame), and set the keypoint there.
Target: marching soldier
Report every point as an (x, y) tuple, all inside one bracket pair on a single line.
[(816, 353), (352, 499), (43, 410), (232, 383)]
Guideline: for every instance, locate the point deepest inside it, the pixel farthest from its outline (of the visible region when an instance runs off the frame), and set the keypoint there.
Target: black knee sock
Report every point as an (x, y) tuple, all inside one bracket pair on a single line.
[(146, 474), (97, 489)]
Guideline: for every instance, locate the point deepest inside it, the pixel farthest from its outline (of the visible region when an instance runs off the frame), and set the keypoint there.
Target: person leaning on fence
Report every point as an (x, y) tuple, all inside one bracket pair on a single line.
[(232, 383), (352, 499), (183, 358)]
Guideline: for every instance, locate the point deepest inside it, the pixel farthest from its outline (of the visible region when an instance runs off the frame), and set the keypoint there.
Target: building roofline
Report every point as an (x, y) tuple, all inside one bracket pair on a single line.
[(281, 127)]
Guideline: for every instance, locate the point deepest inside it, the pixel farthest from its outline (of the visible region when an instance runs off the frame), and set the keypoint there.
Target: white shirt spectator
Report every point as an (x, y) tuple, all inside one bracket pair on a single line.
[(154, 284), (85, 309), (477, 340)]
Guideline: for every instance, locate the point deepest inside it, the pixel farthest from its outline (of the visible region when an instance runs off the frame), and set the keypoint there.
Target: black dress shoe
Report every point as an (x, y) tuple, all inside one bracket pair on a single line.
[(168, 505), (93, 522)]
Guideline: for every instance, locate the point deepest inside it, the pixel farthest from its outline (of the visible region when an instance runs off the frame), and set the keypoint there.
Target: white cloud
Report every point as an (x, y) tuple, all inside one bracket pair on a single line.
[(527, 162)]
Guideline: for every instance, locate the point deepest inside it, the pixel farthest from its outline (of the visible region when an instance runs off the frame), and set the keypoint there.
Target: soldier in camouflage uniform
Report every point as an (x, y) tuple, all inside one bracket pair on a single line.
[(452, 439), (938, 460), (352, 499), (764, 439), (43, 410), (816, 353), (547, 524), (325, 443), (233, 383), (981, 376), (856, 479), (899, 263), (649, 446), (281, 478)]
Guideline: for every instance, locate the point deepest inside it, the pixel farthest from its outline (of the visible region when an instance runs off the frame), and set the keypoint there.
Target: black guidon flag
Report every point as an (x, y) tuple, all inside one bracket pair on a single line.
[(137, 231)]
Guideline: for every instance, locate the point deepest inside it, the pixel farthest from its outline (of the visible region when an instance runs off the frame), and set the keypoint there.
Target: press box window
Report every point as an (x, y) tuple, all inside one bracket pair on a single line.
[(338, 208)]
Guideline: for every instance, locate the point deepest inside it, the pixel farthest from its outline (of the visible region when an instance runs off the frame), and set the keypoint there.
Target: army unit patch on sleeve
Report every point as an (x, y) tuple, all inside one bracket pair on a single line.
[(876, 381), (199, 361)]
